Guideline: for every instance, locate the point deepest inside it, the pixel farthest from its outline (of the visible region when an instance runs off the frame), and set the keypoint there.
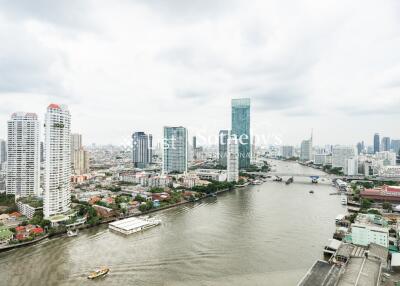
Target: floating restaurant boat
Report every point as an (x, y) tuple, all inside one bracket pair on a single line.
[(98, 273), (133, 224)]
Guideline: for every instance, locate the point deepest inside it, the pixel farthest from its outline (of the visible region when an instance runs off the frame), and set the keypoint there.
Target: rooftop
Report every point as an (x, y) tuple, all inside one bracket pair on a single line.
[(129, 223), (361, 271), (320, 274)]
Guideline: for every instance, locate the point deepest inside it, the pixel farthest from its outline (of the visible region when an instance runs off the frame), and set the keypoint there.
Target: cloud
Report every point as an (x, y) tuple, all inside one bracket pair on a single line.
[(129, 65)]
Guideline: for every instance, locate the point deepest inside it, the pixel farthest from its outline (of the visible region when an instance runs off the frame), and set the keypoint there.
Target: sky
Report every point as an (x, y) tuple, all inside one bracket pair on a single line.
[(124, 65)]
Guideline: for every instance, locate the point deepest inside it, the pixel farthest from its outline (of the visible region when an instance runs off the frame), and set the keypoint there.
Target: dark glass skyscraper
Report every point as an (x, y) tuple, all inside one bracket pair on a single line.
[(142, 149), (376, 143), (223, 147), (175, 150), (241, 128), (385, 144)]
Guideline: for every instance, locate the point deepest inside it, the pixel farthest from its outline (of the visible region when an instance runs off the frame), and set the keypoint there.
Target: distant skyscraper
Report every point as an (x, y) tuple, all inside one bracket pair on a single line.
[(57, 188), (223, 147), (79, 156), (241, 128), (3, 151), (376, 143), (142, 150), (233, 159), (385, 146), (194, 147), (360, 147), (395, 146), (175, 150), (287, 152), (306, 153), (23, 170)]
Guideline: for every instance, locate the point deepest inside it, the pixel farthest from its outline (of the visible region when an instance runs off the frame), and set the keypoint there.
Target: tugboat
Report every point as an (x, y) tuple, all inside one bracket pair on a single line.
[(98, 273), (289, 181)]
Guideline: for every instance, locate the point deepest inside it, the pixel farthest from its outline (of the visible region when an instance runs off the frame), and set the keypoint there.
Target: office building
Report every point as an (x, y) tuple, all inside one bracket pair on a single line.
[(306, 150), (340, 155), (386, 158), (223, 147), (142, 149), (57, 188), (233, 159), (287, 152), (351, 167), (23, 156), (175, 150), (360, 147), (241, 128), (377, 147), (3, 151), (194, 146), (385, 146), (395, 146), (79, 156)]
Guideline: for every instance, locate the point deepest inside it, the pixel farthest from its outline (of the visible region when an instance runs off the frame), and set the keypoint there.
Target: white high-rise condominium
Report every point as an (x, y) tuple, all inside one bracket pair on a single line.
[(57, 188), (340, 155), (233, 159), (79, 156), (306, 150), (23, 156)]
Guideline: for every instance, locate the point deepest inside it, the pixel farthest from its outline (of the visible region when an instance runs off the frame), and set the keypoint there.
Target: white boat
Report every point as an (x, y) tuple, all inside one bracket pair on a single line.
[(72, 233), (343, 200)]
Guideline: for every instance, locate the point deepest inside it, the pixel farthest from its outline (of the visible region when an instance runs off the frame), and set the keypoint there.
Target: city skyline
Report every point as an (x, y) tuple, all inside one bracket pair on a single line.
[(298, 73)]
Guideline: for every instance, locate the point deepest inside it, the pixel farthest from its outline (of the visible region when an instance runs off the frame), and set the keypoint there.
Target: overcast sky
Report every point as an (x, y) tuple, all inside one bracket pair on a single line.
[(124, 66)]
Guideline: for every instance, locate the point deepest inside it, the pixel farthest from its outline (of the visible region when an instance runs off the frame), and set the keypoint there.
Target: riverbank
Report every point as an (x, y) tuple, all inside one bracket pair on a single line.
[(23, 244), (112, 219)]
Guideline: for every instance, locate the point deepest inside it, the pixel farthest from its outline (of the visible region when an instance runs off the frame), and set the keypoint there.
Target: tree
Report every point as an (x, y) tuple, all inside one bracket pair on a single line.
[(365, 203), (386, 206)]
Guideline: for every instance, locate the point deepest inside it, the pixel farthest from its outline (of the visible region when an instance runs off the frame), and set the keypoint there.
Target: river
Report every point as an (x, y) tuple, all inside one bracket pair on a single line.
[(261, 235)]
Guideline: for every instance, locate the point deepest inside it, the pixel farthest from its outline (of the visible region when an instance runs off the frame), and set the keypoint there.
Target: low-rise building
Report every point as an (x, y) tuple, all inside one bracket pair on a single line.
[(384, 193), (370, 228), (211, 174), (29, 208)]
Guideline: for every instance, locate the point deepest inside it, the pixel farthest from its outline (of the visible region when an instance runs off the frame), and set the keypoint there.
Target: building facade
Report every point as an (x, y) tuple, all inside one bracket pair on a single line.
[(57, 186), (241, 128), (377, 145), (223, 147), (306, 150), (175, 151), (3, 151), (340, 155), (142, 149), (79, 156), (233, 159), (287, 152), (23, 156), (385, 145)]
